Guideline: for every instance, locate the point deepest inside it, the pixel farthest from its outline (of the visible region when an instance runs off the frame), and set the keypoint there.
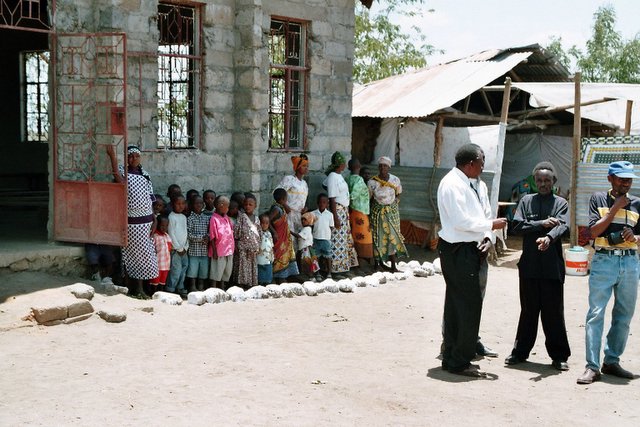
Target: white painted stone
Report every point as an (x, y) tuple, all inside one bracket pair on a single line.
[(167, 298), (196, 298), (216, 296), (421, 272), (82, 290), (237, 294), (359, 281), (286, 290), (391, 277), (436, 266), (382, 279), (274, 291), (310, 288), (413, 264), (372, 281), (257, 292), (346, 285), (297, 289), (330, 285)]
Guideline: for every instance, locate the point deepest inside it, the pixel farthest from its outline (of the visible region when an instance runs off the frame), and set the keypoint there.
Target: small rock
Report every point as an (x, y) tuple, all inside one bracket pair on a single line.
[(168, 298), (297, 289), (382, 279), (359, 281), (237, 294), (331, 286), (69, 320), (197, 298), (112, 316), (82, 291), (79, 308), (287, 290), (274, 291), (145, 309), (216, 296), (372, 281), (256, 292), (48, 314), (346, 285), (111, 289), (310, 288), (421, 272), (413, 264)]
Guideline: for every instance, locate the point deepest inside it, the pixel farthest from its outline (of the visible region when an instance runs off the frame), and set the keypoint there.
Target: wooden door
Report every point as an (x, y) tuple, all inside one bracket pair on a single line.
[(89, 114)]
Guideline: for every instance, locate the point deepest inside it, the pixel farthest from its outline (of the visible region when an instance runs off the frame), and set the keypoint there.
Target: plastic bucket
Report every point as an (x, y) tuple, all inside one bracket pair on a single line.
[(576, 261)]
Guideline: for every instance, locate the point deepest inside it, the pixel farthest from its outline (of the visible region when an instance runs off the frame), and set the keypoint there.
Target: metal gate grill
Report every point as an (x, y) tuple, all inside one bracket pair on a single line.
[(90, 114)]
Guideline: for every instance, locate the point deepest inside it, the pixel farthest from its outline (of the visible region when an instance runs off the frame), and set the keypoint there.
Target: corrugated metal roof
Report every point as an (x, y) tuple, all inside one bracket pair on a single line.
[(423, 92)]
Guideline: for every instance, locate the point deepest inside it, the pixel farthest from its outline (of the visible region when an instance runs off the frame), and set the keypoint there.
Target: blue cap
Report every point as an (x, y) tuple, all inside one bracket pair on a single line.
[(622, 169)]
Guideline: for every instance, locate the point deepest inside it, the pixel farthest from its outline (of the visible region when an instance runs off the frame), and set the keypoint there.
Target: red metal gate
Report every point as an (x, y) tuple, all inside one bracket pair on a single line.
[(89, 114)]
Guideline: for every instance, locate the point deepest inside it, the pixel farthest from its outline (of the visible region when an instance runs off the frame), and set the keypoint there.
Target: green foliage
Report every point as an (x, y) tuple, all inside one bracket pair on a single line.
[(382, 48), (607, 57)]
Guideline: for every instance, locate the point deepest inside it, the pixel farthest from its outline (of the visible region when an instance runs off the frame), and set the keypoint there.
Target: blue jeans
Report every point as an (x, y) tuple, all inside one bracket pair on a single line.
[(617, 274), (177, 272)]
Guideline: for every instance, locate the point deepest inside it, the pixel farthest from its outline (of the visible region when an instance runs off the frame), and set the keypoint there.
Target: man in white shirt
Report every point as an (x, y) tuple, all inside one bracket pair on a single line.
[(465, 239)]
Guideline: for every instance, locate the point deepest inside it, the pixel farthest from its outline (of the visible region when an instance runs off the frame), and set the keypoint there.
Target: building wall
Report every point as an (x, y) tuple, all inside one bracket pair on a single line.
[(233, 152)]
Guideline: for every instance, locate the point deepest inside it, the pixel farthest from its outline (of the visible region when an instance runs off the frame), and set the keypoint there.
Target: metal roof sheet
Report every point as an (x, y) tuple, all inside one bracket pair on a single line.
[(425, 91)]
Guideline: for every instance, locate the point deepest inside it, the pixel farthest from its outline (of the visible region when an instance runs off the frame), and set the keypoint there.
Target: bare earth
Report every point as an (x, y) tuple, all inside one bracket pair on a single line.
[(367, 358)]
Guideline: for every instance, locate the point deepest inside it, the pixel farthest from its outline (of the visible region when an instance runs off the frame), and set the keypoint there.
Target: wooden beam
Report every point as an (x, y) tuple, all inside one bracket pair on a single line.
[(514, 76), (466, 104), (627, 119), (575, 158), (505, 101), (547, 110), (487, 104), (437, 144)]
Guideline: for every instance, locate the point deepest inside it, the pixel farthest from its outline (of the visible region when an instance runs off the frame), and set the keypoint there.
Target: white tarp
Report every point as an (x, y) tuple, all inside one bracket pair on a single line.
[(417, 141), (523, 151)]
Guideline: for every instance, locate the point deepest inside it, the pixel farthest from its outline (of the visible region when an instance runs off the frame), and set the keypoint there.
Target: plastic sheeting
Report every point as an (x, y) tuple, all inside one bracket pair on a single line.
[(523, 151), (417, 141)]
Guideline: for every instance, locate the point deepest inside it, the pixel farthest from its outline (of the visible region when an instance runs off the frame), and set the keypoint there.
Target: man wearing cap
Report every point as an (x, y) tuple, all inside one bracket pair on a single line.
[(613, 223), (542, 220), (465, 239)]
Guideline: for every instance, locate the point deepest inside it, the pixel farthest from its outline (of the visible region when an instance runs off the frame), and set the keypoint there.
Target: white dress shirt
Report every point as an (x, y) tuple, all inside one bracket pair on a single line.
[(463, 215), (323, 224), (337, 187)]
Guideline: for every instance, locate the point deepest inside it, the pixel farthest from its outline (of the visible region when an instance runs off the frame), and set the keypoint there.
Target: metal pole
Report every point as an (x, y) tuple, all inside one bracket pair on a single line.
[(575, 158)]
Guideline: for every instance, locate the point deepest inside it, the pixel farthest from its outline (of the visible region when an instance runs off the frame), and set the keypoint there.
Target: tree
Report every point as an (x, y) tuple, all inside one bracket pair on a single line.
[(607, 57), (382, 49)]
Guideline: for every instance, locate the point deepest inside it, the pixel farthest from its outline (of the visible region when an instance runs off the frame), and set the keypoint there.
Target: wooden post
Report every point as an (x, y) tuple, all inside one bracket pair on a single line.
[(575, 158), (504, 114), (627, 119), (437, 143)]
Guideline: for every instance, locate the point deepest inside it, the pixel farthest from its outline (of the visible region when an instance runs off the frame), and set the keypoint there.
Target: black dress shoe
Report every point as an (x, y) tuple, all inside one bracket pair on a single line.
[(589, 376), (560, 365), (471, 371), (616, 370), (482, 350), (513, 360)]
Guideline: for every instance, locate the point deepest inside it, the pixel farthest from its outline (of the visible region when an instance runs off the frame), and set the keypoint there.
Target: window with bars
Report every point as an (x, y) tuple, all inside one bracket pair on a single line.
[(179, 62), (35, 86), (288, 73)]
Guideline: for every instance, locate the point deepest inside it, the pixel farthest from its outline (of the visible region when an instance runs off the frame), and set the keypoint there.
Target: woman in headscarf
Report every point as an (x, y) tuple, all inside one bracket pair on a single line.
[(343, 253), (388, 242), (359, 196), (297, 192), (138, 256)]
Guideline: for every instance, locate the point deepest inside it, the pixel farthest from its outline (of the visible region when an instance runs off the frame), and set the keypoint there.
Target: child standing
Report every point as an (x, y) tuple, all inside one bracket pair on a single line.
[(209, 197), (284, 262), (180, 241), (322, 234), (162, 243), (198, 233), (308, 259), (222, 243), (265, 255), (247, 236)]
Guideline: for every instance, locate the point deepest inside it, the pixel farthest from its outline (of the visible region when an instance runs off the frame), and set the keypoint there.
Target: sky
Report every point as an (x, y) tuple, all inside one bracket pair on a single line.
[(463, 27)]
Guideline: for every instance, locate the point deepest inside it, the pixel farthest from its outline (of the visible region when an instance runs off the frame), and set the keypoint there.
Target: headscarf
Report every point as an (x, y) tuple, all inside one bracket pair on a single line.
[(299, 161), (311, 218), (133, 149), (384, 160), (139, 170), (337, 159)]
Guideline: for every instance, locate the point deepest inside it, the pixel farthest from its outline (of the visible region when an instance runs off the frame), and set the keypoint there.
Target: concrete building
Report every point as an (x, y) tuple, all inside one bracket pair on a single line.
[(217, 93)]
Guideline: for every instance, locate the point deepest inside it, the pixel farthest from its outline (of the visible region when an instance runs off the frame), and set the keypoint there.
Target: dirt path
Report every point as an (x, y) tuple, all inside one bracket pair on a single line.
[(367, 358)]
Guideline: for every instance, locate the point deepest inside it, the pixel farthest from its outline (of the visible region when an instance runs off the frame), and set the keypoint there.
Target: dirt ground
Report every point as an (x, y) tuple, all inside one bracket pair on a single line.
[(367, 358)]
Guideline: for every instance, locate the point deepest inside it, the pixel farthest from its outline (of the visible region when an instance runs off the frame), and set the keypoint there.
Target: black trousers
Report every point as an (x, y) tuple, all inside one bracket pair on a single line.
[(460, 264), (542, 298)]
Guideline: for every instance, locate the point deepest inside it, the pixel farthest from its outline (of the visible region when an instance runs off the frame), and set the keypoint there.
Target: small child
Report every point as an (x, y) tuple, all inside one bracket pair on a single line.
[(322, 234), (191, 195), (209, 197), (265, 255), (180, 241), (158, 205), (100, 259), (247, 240), (308, 259), (162, 243), (172, 191), (198, 233), (234, 208), (222, 243)]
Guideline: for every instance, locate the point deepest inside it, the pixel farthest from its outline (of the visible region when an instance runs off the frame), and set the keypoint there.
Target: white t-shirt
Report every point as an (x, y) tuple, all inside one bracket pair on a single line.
[(323, 225), (178, 231), (306, 238), (337, 187)]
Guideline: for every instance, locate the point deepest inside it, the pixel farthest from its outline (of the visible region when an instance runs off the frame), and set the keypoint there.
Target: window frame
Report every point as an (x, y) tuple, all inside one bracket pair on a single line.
[(195, 65), (43, 108), (304, 69)]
